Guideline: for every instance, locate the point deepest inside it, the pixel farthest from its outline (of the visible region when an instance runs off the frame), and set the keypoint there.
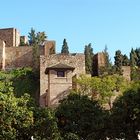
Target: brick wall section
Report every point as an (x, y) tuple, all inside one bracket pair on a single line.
[(11, 36), (16, 57), (58, 86), (98, 61)]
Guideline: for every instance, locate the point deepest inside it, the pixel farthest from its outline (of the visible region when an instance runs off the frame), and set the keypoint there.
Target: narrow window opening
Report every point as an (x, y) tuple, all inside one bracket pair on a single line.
[(60, 74)]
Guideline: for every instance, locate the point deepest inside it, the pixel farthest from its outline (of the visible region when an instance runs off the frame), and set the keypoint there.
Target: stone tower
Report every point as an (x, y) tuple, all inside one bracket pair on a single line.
[(11, 36), (56, 76), (98, 62)]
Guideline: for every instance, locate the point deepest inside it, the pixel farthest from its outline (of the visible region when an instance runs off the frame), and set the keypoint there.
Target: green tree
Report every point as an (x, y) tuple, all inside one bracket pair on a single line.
[(45, 125), (71, 136), (15, 116), (36, 40), (134, 63), (23, 80), (65, 48), (103, 89), (133, 58), (20, 117), (138, 56), (125, 117), (32, 37), (107, 58), (118, 61), (89, 59), (81, 117), (135, 73), (125, 61)]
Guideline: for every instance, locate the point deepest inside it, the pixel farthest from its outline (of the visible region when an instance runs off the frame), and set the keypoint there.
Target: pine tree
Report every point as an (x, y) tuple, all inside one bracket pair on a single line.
[(32, 37), (89, 58), (65, 48), (36, 40)]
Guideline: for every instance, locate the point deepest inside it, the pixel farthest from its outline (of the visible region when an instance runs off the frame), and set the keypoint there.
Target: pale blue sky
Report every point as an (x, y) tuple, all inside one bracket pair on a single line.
[(99, 22)]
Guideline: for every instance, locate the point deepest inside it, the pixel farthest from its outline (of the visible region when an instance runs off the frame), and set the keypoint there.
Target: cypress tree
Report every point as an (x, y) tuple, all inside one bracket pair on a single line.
[(138, 56), (108, 64), (133, 58), (88, 58), (118, 61), (65, 48)]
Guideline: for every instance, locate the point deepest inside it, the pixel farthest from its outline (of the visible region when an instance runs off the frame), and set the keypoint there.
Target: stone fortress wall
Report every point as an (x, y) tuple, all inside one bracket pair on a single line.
[(74, 60), (12, 56), (17, 57)]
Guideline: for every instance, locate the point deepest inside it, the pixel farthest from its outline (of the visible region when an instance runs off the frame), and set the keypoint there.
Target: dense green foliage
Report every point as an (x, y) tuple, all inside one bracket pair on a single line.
[(65, 48), (79, 115), (82, 118), (23, 80), (135, 73), (15, 116), (125, 116), (45, 125), (20, 118), (102, 88)]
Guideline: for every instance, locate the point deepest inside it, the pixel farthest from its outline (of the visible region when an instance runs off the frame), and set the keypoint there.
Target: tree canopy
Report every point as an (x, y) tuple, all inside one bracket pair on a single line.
[(103, 89), (125, 117), (36, 40), (81, 117)]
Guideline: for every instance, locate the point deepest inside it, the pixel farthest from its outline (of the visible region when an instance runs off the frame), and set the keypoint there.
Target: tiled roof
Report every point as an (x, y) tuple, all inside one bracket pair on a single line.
[(59, 66)]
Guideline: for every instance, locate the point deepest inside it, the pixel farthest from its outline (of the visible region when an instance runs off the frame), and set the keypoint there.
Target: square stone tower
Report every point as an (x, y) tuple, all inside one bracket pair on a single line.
[(56, 76), (98, 62), (11, 36)]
